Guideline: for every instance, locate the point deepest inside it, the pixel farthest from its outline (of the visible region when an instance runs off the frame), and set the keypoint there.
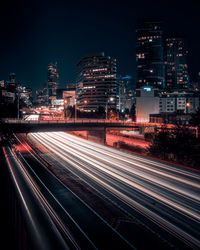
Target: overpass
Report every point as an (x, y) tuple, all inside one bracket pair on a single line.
[(27, 126), (95, 127)]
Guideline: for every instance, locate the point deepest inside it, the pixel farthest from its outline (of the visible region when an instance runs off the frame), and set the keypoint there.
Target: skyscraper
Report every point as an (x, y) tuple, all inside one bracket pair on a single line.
[(97, 82), (126, 93), (52, 81), (176, 68), (149, 53)]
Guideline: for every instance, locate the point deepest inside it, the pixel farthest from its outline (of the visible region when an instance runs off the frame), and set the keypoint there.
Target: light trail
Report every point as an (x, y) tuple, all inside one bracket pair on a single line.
[(40, 239), (156, 167), (121, 162), (122, 174), (136, 169), (108, 228), (127, 180)]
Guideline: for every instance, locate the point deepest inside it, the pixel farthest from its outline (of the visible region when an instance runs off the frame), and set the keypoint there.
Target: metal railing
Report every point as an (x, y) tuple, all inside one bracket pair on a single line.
[(80, 121)]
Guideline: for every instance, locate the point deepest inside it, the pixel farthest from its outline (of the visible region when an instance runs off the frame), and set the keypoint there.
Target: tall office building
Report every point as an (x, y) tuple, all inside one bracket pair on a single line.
[(149, 53), (52, 81), (97, 82), (126, 93), (176, 68)]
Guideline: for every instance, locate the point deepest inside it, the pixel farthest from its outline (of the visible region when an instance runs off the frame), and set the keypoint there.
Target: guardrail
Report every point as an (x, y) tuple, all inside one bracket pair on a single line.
[(81, 121), (63, 121)]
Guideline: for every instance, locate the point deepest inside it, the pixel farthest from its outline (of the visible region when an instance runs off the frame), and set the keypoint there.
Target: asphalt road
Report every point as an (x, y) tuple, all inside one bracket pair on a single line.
[(105, 197)]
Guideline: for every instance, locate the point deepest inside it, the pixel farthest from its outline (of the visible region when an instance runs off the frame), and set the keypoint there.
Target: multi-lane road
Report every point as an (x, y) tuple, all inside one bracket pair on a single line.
[(104, 197)]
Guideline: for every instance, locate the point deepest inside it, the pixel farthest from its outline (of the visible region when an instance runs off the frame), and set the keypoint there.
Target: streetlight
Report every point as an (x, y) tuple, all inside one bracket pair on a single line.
[(75, 106), (65, 108), (187, 106), (18, 96), (75, 111)]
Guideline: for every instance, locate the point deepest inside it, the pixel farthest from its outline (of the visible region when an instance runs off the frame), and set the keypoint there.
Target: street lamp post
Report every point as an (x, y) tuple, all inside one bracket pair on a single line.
[(75, 105), (18, 102), (75, 112), (187, 107), (65, 108)]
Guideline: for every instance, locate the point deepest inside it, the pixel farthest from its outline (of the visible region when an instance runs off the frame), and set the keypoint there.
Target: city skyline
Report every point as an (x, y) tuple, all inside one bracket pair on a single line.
[(100, 124), (37, 33)]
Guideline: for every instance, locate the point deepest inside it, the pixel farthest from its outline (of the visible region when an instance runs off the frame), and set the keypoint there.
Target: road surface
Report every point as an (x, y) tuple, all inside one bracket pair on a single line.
[(106, 197)]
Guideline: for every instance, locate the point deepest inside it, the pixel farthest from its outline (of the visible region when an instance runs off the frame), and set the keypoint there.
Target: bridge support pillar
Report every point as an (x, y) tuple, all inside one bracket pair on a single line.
[(97, 135), (141, 130)]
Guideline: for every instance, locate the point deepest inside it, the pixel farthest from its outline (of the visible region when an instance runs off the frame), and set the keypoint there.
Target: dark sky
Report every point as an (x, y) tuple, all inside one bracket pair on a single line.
[(34, 33)]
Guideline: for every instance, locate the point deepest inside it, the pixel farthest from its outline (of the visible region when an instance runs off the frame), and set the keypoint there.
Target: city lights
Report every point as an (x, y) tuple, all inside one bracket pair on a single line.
[(100, 125)]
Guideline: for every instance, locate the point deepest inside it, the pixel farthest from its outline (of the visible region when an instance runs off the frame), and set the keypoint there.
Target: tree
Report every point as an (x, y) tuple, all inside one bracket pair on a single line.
[(113, 114), (133, 113), (69, 112), (161, 144), (180, 145), (101, 112)]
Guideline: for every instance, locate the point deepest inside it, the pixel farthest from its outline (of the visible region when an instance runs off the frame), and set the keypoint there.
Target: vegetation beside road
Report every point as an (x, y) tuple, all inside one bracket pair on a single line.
[(180, 146)]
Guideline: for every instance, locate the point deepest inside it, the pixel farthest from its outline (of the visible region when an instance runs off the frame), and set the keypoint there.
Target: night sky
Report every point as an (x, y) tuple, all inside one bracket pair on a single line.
[(34, 33)]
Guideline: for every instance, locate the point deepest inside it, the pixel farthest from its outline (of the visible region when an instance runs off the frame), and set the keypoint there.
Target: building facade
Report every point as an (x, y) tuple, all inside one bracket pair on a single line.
[(185, 102), (170, 107), (96, 83), (150, 54), (147, 102), (176, 67), (126, 93), (52, 81)]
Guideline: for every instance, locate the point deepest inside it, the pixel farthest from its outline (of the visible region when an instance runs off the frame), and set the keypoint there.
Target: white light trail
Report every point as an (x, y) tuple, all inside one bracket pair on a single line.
[(118, 172)]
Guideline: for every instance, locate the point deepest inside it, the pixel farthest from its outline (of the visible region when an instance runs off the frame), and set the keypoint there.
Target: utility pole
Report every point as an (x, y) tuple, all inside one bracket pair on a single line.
[(106, 110), (18, 103)]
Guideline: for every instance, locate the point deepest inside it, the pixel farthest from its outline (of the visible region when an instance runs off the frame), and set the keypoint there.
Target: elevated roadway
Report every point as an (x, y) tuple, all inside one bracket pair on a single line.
[(26, 126)]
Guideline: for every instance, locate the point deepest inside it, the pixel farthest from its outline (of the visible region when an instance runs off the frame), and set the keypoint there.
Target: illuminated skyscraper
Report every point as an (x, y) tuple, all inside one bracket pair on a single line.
[(53, 80), (126, 93), (149, 53), (176, 67), (97, 82)]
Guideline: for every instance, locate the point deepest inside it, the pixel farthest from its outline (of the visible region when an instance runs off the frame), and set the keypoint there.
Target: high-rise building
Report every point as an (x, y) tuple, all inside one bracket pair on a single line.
[(39, 97), (149, 53), (53, 80), (147, 102), (126, 93), (176, 67), (25, 95), (96, 83)]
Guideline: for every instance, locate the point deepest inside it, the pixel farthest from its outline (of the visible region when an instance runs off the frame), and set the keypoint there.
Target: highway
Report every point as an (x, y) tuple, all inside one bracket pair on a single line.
[(106, 197)]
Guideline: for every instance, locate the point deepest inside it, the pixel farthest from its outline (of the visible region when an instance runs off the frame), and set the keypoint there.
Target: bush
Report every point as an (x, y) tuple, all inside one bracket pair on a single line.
[(180, 145), (149, 137), (133, 148)]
